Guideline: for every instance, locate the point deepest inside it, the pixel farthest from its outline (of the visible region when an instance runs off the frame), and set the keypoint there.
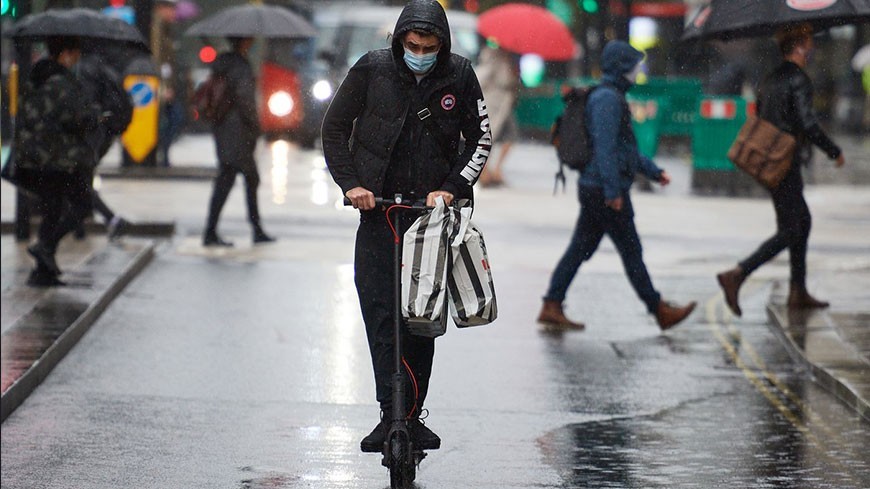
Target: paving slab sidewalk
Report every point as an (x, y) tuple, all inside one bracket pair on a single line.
[(42, 325), (833, 344)]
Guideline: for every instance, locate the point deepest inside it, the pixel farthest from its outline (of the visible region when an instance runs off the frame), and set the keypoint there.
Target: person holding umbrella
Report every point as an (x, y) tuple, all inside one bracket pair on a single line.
[(786, 100), (52, 155), (236, 137), (237, 132), (394, 127)]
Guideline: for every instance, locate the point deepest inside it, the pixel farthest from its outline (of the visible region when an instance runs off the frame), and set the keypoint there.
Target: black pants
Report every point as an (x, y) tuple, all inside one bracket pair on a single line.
[(101, 207), (596, 220), (793, 223), (224, 182), (373, 269), (64, 200)]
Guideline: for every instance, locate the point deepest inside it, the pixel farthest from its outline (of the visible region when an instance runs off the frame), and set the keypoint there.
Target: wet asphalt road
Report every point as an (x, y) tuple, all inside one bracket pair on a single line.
[(249, 369)]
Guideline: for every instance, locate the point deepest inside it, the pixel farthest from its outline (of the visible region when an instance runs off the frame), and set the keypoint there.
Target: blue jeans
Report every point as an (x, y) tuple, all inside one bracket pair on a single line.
[(596, 220)]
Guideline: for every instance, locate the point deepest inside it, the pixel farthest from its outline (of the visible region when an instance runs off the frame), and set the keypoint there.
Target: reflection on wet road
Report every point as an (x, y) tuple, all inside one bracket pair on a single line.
[(765, 432)]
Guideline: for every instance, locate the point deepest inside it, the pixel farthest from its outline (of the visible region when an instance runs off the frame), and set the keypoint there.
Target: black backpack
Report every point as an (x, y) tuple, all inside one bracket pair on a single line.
[(569, 134), (212, 99), (117, 104)]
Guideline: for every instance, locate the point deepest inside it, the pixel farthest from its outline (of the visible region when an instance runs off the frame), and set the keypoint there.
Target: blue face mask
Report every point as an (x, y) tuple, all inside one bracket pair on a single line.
[(420, 63)]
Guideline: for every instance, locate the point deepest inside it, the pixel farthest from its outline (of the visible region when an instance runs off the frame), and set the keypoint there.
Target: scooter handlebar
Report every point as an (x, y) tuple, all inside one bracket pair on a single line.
[(397, 200)]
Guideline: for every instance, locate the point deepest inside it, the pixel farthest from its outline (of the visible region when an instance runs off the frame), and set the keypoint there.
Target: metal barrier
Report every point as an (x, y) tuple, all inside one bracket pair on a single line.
[(719, 120)]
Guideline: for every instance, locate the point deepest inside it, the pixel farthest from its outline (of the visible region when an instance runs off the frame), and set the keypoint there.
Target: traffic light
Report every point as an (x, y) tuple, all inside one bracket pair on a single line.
[(8, 8), (589, 6), (207, 54)]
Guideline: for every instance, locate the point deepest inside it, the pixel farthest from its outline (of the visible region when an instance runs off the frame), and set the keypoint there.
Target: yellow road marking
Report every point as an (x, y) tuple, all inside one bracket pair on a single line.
[(715, 324)]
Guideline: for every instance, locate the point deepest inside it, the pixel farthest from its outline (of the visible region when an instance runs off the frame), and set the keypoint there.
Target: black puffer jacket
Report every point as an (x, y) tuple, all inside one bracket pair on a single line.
[(55, 119), (237, 133), (373, 136), (786, 100)]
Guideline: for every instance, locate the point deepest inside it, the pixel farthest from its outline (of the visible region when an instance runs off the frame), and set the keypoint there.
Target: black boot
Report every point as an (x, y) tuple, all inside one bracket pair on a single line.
[(210, 238), (260, 236), (41, 277), (423, 437), (374, 442)]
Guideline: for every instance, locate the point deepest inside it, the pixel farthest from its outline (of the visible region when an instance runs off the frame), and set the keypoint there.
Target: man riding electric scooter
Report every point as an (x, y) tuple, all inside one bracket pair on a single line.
[(394, 127)]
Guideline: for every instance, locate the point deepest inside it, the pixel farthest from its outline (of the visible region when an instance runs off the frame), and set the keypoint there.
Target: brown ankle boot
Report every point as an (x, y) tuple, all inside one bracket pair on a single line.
[(730, 281), (799, 298), (553, 316), (669, 315)]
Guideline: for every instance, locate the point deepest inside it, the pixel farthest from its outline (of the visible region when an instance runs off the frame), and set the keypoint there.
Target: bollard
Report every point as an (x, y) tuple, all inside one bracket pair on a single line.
[(139, 141)]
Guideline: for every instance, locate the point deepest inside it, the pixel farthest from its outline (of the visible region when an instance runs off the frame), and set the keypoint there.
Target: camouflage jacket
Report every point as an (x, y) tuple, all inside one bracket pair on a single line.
[(55, 117)]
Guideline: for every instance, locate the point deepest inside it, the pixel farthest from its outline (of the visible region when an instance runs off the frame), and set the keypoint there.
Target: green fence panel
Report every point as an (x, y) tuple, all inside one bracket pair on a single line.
[(646, 119), (538, 107), (719, 121), (679, 98)]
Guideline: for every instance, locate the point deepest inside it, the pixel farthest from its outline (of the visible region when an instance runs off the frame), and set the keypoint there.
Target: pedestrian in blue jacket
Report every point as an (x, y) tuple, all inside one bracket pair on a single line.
[(604, 194)]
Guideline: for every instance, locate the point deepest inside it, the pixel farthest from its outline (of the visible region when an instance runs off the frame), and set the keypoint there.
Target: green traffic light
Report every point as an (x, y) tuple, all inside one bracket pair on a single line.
[(4, 7), (589, 6)]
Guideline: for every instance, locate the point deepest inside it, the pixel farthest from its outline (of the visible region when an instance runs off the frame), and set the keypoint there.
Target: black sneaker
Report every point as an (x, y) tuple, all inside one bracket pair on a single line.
[(117, 227), (423, 437), (374, 442)]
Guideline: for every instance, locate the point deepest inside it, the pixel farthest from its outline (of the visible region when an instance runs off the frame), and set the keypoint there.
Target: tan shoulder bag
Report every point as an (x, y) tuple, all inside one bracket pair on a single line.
[(763, 151)]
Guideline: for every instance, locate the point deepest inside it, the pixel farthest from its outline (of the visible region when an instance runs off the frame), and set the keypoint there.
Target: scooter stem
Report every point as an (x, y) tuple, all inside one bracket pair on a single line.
[(398, 372)]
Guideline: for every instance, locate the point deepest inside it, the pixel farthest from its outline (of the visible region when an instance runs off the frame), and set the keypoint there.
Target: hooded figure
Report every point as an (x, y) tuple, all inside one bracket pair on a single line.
[(604, 194), (394, 127), (407, 126), (616, 158)]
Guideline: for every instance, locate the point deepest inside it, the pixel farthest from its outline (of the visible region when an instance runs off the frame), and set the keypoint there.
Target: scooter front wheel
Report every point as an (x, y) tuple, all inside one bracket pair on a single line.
[(402, 464)]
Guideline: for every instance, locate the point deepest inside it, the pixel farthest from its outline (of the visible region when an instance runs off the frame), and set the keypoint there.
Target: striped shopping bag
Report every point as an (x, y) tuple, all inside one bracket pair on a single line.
[(425, 261), (470, 287)]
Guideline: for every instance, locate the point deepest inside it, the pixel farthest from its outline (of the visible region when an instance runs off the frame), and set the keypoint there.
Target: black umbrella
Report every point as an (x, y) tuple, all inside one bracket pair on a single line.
[(77, 22), (253, 21), (729, 19)]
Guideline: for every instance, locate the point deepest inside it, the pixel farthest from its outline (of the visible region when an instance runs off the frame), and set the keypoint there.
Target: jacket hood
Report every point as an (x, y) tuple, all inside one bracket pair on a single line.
[(618, 58), (45, 69), (424, 15)]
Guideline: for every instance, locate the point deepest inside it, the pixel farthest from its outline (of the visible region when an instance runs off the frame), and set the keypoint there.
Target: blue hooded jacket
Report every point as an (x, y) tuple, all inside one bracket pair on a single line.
[(615, 155)]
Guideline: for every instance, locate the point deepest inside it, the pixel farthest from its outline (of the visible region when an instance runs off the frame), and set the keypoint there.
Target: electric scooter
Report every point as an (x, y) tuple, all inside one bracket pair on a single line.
[(400, 455)]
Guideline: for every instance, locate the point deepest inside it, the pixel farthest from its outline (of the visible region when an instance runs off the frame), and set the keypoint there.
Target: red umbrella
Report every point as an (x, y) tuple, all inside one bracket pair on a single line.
[(524, 29)]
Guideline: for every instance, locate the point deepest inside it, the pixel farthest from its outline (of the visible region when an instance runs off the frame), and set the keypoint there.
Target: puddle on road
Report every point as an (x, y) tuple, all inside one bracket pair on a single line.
[(268, 480), (710, 443)]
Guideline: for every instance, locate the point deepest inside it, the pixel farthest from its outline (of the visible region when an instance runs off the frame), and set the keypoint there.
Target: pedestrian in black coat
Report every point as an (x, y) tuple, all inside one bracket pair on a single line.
[(236, 137), (394, 127), (52, 155), (786, 100)]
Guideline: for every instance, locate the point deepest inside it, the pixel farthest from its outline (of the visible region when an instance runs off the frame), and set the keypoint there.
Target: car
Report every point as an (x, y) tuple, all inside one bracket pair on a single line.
[(299, 77), (348, 33), (295, 91)]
